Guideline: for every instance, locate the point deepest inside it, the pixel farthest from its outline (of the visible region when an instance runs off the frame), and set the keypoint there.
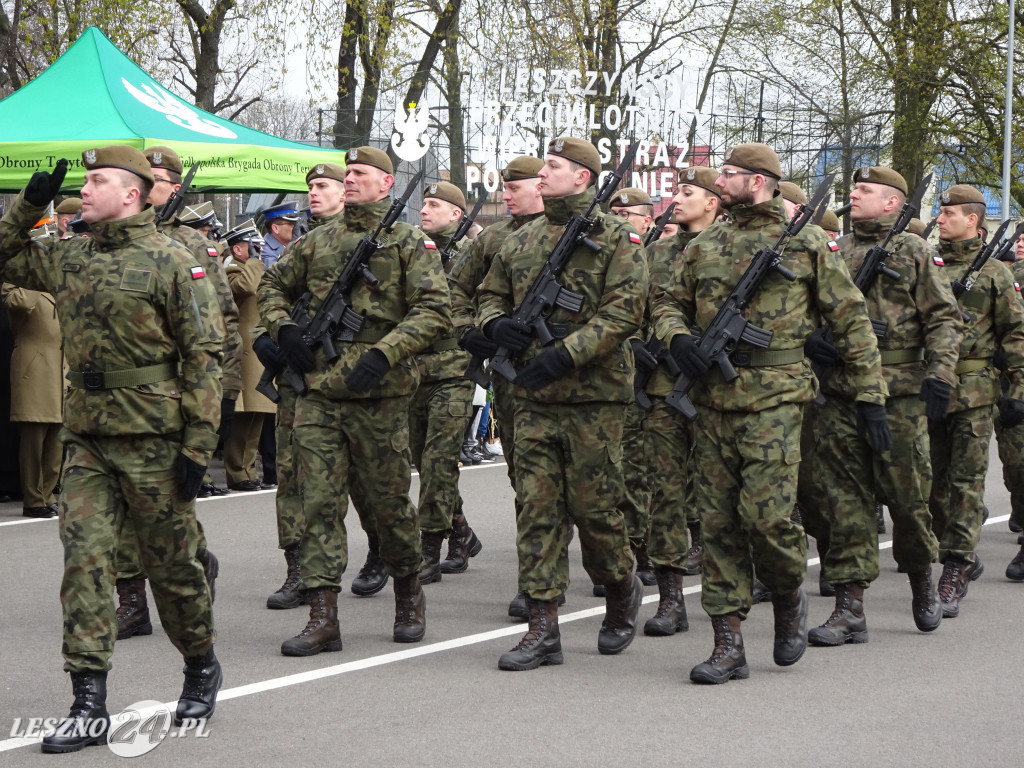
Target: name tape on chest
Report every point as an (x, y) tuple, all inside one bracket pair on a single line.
[(197, 272)]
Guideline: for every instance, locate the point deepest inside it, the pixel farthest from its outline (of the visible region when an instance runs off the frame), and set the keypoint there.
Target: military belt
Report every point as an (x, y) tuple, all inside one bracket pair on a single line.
[(972, 364), (762, 358), (897, 356), (130, 377), (444, 345), (362, 337)]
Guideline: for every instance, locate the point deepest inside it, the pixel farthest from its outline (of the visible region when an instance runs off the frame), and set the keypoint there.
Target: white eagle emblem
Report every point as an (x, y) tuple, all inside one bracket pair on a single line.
[(945, 197), (728, 153), (409, 139), (624, 198), (865, 173), (432, 189), (90, 156), (352, 155), (691, 175), (559, 145), (158, 158), (320, 169)]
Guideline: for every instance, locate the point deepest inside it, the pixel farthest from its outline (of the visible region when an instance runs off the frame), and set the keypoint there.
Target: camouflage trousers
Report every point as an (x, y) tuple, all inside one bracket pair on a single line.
[(1011, 454), (288, 499), (854, 477), (108, 480), (670, 437), (636, 470), (959, 452), (340, 445), (240, 447), (569, 470), (745, 471), (438, 419), (504, 408), (811, 494)]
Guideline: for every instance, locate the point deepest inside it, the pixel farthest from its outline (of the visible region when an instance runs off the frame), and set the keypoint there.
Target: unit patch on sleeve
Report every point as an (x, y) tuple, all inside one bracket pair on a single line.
[(197, 272)]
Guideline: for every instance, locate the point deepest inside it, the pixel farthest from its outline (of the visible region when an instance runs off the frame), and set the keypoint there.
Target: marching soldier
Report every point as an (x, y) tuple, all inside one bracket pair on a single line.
[(747, 433), (354, 421), (569, 401), (140, 422)]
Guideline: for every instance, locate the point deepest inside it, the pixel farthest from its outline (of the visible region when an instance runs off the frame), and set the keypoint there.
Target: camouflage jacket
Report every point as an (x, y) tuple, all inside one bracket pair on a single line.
[(128, 297), (994, 319), (207, 253), (404, 314), (662, 256), (712, 265), (919, 308), (613, 282), (444, 359)]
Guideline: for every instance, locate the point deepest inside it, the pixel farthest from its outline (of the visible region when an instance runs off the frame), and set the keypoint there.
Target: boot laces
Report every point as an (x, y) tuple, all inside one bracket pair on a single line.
[(949, 581)]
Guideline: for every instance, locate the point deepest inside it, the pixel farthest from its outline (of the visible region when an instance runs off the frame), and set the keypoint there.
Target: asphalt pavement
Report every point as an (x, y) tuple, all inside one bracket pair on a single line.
[(952, 697)]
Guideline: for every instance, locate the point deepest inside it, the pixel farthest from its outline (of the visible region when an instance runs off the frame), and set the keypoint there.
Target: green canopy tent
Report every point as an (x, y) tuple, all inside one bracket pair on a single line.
[(95, 95)]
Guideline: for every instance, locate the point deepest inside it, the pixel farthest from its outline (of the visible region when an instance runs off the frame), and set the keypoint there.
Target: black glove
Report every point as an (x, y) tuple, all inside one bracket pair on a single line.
[(189, 476), (999, 360), (227, 407), (474, 342), (691, 359), (551, 364), (641, 357), (506, 332), (43, 186), (873, 425), (370, 368), (936, 394), (299, 356), (1011, 412), (822, 351), (268, 352)]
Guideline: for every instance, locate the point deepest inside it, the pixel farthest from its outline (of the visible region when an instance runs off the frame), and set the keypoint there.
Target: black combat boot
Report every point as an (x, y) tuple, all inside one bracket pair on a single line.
[(790, 627), (132, 609), (727, 660), (761, 593), (622, 606), (1015, 570), (926, 604), (203, 678), (847, 623), (211, 567), (824, 588), (696, 552), (289, 595), (463, 544), (1016, 521), (518, 608), (671, 615), (322, 632), (951, 586), (644, 566), (373, 575), (541, 644), (431, 542), (410, 610), (88, 722)]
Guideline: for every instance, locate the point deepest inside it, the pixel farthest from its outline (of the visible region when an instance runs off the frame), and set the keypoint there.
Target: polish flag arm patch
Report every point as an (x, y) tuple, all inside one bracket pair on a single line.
[(833, 246), (197, 272), (430, 245), (211, 252), (634, 238), (1016, 286), (938, 260)]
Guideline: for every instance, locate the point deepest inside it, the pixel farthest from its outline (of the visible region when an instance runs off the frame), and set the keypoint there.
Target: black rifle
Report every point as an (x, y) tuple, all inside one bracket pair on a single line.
[(546, 293), (966, 282), (729, 327), (928, 229), (1005, 250), (659, 226), (465, 223), (177, 198), (335, 315)]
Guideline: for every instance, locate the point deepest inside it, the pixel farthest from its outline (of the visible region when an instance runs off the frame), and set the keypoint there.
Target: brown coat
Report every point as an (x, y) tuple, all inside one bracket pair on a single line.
[(244, 279), (37, 365)]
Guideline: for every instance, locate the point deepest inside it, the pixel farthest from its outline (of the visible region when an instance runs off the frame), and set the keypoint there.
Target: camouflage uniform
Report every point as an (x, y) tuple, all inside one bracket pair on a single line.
[(960, 444), (340, 434), (129, 298), (568, 451), (670, 438), (922, 342), (747, 433), (1011, 441)]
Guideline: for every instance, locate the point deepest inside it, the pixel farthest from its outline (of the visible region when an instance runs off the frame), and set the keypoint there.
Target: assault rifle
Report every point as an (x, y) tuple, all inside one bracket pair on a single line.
[(659, 226), (335, 317), (465, 223), (177, 198), (1005, 250), (729, 327), (546, 292), (966, 282)]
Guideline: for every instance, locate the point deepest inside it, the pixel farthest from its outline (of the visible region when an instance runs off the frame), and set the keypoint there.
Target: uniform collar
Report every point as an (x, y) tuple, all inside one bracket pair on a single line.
[(960, 249), (560, 209), (363, 216), (522, 218), (870, 229), (758, 214), (114, 234)]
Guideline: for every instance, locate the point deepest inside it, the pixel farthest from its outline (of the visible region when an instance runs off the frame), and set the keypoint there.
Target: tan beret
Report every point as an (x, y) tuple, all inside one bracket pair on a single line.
[(756, 157), (916, 227), (70, 205), (792, 192), (164, 157), (829, 221), (624, 198), (878, 175), (701, 176), (369, 156), (577, 150), (446, 191), (522, 168), (961, 194), (119, 156), (326, 171)]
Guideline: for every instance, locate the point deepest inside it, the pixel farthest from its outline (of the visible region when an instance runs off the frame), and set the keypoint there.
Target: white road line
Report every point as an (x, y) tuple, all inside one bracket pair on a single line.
[(412, 653)]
